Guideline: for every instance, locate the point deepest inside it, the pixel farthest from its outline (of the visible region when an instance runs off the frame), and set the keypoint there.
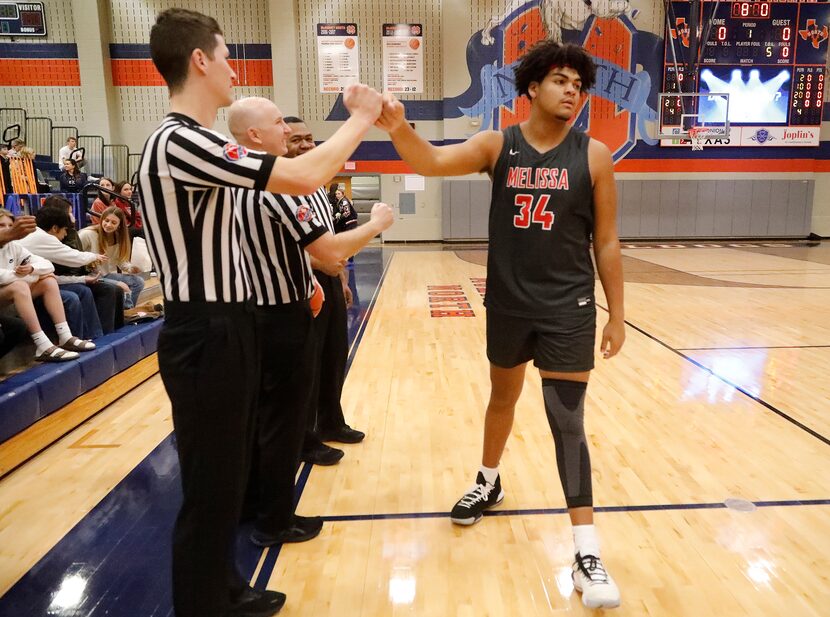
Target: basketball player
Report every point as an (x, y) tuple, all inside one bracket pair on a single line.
[(553, 190), (208, 348)]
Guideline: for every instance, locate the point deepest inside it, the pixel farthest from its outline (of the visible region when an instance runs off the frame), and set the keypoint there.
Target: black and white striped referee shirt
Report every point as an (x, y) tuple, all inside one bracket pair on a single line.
[(275, 230), (186, 176)]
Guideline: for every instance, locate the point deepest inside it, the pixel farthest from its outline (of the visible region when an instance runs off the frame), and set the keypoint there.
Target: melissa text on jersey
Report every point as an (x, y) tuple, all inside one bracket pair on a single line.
[(543, 178)]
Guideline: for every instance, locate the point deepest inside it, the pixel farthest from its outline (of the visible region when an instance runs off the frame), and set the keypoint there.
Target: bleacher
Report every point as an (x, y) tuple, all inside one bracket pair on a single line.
[(39, 403)]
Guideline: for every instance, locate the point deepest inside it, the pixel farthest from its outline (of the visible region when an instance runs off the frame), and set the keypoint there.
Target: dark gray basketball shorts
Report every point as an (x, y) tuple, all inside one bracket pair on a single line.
[(562, 343)]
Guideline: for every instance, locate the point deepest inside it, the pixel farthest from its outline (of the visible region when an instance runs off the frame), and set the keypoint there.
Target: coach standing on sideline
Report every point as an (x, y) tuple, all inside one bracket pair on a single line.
[(208, 356)]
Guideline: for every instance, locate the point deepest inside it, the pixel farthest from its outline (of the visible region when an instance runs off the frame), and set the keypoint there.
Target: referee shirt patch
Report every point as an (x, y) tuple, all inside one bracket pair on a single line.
[(234, 152), (304, 213)]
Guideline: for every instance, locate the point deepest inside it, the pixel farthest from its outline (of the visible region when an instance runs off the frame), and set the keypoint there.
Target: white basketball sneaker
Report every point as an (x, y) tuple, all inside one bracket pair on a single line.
[(597, 587)]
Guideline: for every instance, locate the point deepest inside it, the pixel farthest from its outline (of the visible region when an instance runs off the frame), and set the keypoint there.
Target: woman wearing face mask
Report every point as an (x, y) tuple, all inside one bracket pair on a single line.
[(112, 239), (72, 179)]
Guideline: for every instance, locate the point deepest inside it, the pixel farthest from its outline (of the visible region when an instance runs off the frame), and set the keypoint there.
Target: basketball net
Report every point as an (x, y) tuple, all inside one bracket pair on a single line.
[(696, 134)]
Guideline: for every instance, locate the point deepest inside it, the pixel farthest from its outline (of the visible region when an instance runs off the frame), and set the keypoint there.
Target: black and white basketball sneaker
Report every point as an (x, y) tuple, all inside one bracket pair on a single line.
[(479, 498), (597, 587)]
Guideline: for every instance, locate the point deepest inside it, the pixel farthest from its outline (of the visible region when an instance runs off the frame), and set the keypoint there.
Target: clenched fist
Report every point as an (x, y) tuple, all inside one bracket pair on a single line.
[(392, 116), (363, 101), (382, 217)]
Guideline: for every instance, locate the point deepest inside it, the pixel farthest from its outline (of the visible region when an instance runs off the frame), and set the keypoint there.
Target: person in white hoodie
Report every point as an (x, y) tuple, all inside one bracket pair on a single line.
[(53, 223), (23, 277)]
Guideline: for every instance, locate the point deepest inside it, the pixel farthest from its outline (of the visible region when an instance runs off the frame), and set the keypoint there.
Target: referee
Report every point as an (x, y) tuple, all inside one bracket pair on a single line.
[(282, 281), (326, 421), (208, 355)]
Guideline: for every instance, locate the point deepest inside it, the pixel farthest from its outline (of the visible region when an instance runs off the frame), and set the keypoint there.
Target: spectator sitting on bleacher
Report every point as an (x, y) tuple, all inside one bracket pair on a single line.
[(111, 238), (17, 146), (103, 201), (125, 189), (72, 179), (24, 276), (98, 302), (5, 169), (66, 152), (109, 299)]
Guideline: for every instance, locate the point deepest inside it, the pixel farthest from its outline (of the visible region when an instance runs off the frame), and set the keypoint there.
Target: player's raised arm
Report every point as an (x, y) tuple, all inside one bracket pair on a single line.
[(476, 155), (607, 245), (303, 177)]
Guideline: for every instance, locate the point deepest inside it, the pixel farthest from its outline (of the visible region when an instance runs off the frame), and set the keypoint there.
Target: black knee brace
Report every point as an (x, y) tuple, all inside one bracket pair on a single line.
[(565, 408)]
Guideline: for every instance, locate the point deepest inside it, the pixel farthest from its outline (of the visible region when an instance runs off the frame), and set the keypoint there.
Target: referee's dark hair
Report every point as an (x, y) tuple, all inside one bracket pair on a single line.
[(176, 33), (47, 218), (293, 120), (548, 54)]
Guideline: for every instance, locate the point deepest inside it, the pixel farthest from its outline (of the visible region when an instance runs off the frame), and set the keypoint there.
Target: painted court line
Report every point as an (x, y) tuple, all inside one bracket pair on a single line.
[(753, 347), (608, 509), (743, 391)]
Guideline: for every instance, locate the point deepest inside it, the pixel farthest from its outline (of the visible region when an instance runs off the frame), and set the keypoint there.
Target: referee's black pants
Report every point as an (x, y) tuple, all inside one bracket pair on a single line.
[(286, 339), (209, 363), (332, 349)]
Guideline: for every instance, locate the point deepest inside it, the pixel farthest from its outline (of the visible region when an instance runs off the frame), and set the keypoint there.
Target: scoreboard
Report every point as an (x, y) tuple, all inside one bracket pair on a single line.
[(770, 56), (22, 19)]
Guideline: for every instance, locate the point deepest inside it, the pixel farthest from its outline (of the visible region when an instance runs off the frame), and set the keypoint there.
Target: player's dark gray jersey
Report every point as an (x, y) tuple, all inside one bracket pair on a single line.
[(541, 220)]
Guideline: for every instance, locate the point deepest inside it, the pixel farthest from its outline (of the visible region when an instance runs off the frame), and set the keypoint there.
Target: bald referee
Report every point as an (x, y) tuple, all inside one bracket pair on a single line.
[(208, 355), (282, 281)]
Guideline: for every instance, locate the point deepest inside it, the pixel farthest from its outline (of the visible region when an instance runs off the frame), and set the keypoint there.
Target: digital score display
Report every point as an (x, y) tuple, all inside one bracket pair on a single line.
[(769, 56), (765, 36), (22, 19), (755, 10)]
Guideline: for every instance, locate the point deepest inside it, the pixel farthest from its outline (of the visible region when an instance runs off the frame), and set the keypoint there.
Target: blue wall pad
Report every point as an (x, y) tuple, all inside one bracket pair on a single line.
[(59, 387), (19, 408), (96, 367), (128, 351), (35, 393), (150, 336)]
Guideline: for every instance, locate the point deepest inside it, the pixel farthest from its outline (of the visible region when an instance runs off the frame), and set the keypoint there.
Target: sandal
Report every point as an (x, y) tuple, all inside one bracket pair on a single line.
[(76, 344), (56, 354)]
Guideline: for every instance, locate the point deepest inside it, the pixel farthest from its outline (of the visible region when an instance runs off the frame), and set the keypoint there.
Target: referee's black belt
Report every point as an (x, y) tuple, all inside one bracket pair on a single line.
[(176, 309)]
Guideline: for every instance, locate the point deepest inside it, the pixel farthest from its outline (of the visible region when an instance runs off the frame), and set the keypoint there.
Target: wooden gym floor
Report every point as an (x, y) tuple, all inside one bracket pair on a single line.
[(718, 397)]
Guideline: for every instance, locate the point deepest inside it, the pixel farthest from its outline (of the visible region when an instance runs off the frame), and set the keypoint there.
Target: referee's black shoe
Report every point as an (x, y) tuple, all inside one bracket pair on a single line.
[(322, 455), (254, 603), (343, 434), (302, 528)]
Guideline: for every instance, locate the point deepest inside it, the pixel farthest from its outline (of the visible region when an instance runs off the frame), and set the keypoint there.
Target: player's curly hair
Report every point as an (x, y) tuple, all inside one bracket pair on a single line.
[(547, 54)]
